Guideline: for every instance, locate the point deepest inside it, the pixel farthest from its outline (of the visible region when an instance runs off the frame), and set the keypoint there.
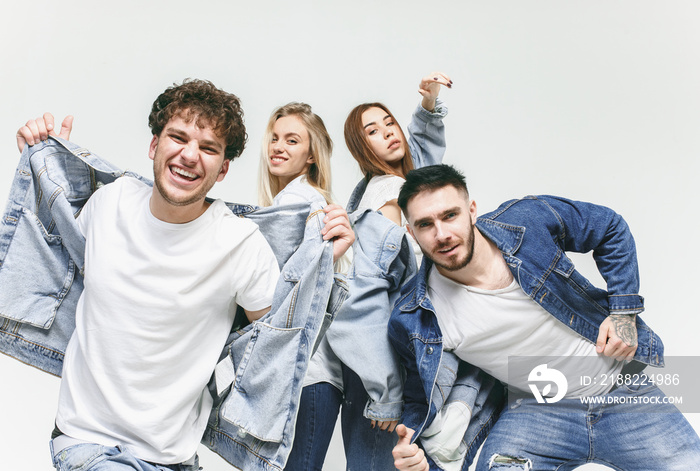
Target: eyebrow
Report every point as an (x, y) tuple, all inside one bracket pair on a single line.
[(455, 209), (374, 122)]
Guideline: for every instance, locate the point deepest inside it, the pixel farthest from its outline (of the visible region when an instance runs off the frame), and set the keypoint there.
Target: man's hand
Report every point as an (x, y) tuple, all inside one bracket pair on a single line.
[(387, 425), (338, 230), (429, 88), (407, 456), (617, 336), (37, 130)]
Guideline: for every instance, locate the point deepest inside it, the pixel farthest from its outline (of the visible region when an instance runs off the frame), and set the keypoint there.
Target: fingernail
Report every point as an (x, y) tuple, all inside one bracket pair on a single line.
[(435, 78)]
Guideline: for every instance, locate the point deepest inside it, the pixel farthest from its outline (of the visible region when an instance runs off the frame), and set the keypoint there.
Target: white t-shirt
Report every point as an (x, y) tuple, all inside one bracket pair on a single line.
[(158, 305), (298, 190), (380, 190), (485, 327)]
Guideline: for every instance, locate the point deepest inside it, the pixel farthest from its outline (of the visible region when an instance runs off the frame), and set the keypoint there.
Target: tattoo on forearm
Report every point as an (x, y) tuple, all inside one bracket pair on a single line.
[(625, 328)]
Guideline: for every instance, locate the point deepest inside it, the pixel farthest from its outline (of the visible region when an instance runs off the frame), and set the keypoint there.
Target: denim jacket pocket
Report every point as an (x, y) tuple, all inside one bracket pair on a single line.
[(260, 370), (46, 270)]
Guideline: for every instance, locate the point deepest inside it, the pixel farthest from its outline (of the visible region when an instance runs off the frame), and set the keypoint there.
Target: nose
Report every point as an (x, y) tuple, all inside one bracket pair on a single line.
[(276, 147), (388, 132), (189, 152), (441, 234)]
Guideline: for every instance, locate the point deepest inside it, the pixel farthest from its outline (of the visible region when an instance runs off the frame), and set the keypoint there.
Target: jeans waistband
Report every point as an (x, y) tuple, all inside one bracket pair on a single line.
[(631, 368), (63, 441)]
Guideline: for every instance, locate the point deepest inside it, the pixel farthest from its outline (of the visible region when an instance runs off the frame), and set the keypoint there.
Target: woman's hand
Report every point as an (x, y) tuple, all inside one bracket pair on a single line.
[(386, 425), (429, 88), (337, 229)]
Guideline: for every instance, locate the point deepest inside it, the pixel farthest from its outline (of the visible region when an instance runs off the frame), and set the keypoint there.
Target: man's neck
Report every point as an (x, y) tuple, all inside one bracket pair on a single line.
[(487, 268), (174, 214)]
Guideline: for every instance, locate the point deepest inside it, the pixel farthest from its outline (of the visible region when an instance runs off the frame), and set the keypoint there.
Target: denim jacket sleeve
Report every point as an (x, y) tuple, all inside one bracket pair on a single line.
[(427, 135), (582, 227), (382, 261)]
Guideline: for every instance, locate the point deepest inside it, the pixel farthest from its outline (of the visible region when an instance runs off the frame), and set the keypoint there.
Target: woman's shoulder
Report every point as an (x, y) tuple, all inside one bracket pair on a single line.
[(299, 190), (380, 190)]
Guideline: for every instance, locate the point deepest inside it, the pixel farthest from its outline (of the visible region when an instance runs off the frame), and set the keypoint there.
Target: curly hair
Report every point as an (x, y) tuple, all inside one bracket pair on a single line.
[(209, 106)]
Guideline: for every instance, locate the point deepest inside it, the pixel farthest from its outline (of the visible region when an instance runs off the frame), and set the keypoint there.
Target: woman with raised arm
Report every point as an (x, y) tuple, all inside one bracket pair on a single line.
[(355, 350), (385, 155), (384, 257)]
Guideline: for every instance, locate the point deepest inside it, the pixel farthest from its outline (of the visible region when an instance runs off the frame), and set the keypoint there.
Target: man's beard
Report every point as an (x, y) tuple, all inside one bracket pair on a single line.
[(159, 175), (456, 264), (192, 198)]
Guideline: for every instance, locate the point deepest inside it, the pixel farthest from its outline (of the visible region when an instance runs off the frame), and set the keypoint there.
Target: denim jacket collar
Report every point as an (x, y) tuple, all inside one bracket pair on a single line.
[(507, 237)]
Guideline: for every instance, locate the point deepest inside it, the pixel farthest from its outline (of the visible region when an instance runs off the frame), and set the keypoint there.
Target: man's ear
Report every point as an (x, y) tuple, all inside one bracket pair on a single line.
[(224, 170), (152, 147), (472, 211), (410, 231)]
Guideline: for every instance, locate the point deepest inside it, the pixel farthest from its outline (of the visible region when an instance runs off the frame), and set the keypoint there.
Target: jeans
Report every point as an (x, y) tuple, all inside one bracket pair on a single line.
[(563, 435), (366, 448), (93, 457)]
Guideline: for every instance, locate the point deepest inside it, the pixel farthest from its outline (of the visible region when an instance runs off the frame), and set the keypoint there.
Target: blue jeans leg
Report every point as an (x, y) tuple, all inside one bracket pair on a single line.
[(630, 429), (643, 432), (366, 448), (318, 411)]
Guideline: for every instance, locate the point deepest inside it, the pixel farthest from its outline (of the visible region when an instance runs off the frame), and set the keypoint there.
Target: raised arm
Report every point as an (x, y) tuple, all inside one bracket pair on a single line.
[(429, 88), (39, 129), (426, 131)]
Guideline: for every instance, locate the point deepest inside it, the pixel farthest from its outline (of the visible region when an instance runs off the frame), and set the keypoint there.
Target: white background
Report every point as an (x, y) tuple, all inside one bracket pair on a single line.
[(596, 100)]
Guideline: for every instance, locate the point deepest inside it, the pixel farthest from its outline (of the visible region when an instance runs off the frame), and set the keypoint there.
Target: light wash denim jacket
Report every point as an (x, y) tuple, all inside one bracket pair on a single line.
[(258, 381), (532, 233), (383, 261)]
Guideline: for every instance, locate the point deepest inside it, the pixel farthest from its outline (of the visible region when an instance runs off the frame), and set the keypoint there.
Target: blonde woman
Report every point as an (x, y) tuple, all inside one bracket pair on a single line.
[(295, 168), (295, 157)]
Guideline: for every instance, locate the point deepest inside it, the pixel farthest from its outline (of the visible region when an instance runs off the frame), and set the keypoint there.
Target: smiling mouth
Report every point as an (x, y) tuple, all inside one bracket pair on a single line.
[(277, 159), (447, 249), (184, 173)]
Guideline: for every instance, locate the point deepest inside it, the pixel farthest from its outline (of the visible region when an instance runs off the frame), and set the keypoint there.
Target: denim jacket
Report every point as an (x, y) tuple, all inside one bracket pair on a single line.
[(533, 235), (257, 383), (383, 261)]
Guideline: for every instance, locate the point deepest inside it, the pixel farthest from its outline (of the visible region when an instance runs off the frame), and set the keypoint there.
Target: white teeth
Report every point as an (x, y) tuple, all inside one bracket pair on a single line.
[(184, 173), (277, 159)]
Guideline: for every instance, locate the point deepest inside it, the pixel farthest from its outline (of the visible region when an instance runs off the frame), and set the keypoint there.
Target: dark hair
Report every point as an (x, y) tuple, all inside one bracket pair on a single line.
[(356, 140), (208, 105), (432, 177)]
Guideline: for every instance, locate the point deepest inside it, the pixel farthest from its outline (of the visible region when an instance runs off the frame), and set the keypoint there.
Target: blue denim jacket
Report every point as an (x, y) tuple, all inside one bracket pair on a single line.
[(383, 261), (532, 233), (258, 381)]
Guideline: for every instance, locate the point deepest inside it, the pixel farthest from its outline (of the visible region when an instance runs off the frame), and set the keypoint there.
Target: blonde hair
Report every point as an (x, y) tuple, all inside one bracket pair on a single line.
[(320, 147)]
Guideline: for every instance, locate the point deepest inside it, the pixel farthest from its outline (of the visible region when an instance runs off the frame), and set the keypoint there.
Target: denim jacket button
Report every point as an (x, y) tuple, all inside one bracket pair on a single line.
[(430, 350)]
